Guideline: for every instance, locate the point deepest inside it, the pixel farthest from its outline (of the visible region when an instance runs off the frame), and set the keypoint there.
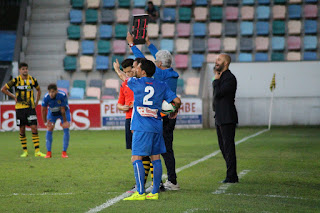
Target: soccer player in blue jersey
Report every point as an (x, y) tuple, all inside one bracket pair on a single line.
[(147, 125), (56, 102)]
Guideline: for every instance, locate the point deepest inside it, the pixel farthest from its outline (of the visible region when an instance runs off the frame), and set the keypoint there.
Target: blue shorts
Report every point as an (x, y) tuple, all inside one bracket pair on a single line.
[(53, 118), (147, 143)]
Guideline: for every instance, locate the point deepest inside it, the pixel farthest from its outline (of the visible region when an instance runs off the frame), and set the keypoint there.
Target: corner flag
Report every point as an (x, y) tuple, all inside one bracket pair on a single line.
[(273, 82)]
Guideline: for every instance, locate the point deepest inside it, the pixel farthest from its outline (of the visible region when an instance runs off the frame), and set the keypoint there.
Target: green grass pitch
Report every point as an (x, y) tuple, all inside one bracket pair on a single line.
[(283, 173)]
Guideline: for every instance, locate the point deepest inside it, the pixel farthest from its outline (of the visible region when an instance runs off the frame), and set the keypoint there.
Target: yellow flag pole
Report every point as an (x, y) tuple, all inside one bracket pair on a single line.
[(272, 87)]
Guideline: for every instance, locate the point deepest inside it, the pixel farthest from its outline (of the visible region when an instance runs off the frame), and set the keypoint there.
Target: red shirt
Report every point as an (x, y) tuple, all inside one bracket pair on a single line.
[(126, 97)]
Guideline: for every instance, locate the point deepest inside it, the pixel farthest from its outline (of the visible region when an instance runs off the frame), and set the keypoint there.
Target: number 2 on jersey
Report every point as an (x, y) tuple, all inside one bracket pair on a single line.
[(146, 98)]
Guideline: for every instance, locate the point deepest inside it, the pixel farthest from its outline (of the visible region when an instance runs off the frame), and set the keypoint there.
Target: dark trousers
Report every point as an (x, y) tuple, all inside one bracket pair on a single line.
[(169, 160), (226, 133)]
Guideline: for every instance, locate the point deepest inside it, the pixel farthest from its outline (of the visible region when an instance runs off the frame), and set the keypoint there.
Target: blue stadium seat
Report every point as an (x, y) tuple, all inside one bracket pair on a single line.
[(294, 11), (199, 29), (139, 3), (232, 2), (76, 93), (107, 16), (108, 3), (246, 28), (310, 27), (263, 1), (197, 60), (277, 43), (166, 44), (201, 2), (261, 57), (262, 28), (105, 31), (95, 83), (102, 62), (87, 47), (247, 2), (263, 12), (198, 45), (233, 57), (310, 56), (63, 84), (246, 44), (311, 1), (75, 16), (169, 15), (245, 57), (231, 29), (310, 42)]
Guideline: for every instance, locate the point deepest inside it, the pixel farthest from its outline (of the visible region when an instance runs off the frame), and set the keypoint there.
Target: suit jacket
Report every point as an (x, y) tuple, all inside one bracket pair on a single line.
[(224, 92)]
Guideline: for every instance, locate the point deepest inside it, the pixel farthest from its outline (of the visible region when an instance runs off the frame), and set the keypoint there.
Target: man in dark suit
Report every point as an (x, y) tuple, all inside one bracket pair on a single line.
[(226, 117)]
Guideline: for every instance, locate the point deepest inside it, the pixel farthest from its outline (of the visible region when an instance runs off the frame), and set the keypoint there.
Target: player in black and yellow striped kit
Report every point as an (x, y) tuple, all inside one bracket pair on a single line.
[(25, 106)]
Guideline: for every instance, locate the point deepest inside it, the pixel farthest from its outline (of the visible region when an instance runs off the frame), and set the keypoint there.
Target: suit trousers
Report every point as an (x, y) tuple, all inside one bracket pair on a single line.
[(226, 134), (168, 157)]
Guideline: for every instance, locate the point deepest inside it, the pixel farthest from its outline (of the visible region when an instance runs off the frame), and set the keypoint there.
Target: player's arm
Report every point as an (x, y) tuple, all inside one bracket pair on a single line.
[(177, 103), (136, 52), (153, 49), (120, 73), (38, 96), (5, 90), (44, 113)]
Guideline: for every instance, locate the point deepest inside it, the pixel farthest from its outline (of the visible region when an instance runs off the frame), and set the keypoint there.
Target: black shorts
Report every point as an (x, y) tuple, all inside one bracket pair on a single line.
[(128, 134), (26, 117)]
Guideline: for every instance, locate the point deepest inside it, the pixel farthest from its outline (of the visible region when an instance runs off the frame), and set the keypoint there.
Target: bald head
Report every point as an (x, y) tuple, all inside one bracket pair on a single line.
[(222, 62), (226, 57)]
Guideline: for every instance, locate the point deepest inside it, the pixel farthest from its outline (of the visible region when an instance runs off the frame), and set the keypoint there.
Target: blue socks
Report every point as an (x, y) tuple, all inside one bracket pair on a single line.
[(49, 140), (157, 174), (66, 137), (139, 175)]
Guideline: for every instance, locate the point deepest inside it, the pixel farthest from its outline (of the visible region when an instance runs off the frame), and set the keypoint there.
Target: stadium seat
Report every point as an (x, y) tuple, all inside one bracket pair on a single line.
[(197, 60), (121, 31), (167, 30), (93, 4), (262, 28), (124, 3), (107, 16), (199, 29), (73, 32), (278, 27), (79, 84), (277, 56), (211, 57), (245, 57), (122, 15), (70, 63), (157, 2), (76, 93), (180, 86), (64, 90), (246, 28), (262, 43), (181, 61), (91, 16), (200, 14), (310, 42), (261, 57), (87, 47), (294, 11), (247, 13), (89, 31), (183, 29), (267, 2), (119, 46), (232, 13), (215, 13), (169, 15), (185, 14), (108, 3), (153, 30), (75, 16), (311, 1), (105, 31), (277, 43), (229, 44), (217, 2), (294, 56), (119, 57), (185, 2), (192, 86), (201, 2), (215, 29), (109, 93), (137, 11), (310, 27), (182, 45), (112, 83), (232, 2), (294, 27), (170, 3), (279, 12), (77, 3), (72, 47), (294, 43), (95, 83), (231, 29), (93, 93), (247, 2), (310, 11), (167, 44), (139, 3), (309, 56), (86, 63), (263, 12), (246, 44), (63, 84), (214, 44), (102, 62), (295, 1), (103, 47), (198, 45), (279, 1), (233, 57)]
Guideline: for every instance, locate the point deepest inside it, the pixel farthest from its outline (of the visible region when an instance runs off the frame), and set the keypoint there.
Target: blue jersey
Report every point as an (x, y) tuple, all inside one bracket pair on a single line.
[(148, 97), (61, 100)]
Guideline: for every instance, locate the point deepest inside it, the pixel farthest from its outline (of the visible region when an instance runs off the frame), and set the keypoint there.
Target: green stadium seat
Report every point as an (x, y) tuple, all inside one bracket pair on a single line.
[(77, 3), (279, 1), (278, 27), (70, 63), (120, 59), (73, 32), (124, 3), (79, 84), (103, 47), (121, 31), (215, 13), (277, 56), (91, 16), (185, 14)]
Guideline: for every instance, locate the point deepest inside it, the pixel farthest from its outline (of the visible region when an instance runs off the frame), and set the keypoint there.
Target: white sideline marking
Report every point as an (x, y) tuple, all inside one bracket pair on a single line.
[(124, 195), (195, 210), (48, 194), (272, 196), (222, 189)]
